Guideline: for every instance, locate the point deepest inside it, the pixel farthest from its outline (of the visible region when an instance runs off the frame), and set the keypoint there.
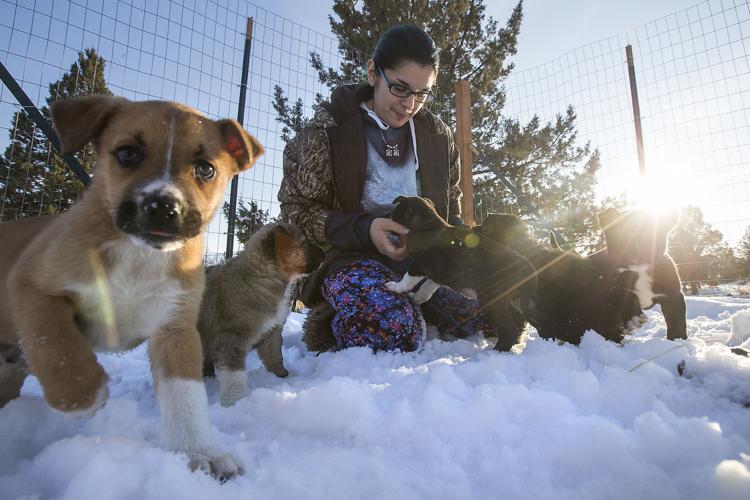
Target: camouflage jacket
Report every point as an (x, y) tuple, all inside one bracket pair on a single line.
[(324, 168)]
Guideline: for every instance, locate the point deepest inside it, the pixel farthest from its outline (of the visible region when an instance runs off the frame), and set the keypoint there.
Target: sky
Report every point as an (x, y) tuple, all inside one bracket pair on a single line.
[(456, 420), (549, 29)]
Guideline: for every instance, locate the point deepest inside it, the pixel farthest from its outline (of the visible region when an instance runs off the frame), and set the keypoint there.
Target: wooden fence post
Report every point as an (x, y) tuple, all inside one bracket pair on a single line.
[(463, 141), (636, 111)]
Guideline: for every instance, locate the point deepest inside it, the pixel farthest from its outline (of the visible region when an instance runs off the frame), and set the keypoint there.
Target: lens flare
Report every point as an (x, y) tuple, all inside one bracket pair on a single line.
[(107, 310), (661, 190), (471, 240)]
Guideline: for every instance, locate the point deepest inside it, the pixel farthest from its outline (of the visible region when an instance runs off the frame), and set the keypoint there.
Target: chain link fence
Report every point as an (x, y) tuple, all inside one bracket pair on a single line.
[(186, 51), (693, 79)]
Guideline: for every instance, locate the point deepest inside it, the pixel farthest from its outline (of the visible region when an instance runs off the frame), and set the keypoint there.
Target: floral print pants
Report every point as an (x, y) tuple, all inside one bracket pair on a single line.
[(368, 314)]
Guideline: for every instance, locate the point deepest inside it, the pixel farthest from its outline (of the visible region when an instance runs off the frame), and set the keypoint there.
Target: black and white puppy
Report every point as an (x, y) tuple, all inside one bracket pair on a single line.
[(417, 214), (460, 258), (572, 296), (637, 241)]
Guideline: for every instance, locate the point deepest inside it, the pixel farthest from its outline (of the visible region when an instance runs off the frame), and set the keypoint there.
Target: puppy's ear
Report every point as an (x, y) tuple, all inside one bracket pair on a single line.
[(268, 243), (80, 120), (399, 200), (670, 219), (276, 239), (288, 252), (607, 217), (243, 147)]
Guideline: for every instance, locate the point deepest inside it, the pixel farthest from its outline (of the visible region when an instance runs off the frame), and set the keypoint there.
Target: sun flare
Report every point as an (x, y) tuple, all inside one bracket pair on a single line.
[(663, 189)]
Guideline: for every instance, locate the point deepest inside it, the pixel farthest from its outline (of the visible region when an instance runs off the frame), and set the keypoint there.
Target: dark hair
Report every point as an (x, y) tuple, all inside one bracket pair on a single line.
[(405, 42)]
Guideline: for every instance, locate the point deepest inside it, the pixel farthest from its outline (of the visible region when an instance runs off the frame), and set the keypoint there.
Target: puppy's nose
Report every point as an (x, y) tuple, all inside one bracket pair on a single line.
[(161, 208)]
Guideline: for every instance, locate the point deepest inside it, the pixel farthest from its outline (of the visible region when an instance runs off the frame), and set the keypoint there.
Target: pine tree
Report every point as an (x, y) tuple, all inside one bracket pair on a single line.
[(699, 250), (247, 219), (743, 255), (551, 178), (292, 117), (542, 175), (34, 179), (723, 264)]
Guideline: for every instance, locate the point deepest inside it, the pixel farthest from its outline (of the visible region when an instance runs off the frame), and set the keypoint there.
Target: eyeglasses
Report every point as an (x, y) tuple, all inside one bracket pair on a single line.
[(403, 91)]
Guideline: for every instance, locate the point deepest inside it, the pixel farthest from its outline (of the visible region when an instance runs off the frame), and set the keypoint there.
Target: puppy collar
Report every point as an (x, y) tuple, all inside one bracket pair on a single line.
[(418, 285)]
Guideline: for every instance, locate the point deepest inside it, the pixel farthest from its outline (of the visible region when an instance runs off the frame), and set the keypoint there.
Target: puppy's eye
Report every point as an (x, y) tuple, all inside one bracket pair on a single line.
[(129, 156), (204, 170)]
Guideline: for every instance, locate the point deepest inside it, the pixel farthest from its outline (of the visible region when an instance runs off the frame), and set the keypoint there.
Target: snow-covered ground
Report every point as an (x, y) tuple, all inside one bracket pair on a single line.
[(456, 420)]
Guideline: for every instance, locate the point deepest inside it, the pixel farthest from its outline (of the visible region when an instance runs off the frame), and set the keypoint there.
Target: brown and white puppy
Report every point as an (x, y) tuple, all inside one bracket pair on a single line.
[(124, 265), (637, 241), (246, 302), (572, 296), (464, 260)]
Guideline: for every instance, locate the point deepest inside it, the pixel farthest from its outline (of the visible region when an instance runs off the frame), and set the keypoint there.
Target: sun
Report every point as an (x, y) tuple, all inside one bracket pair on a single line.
[(664, 188)]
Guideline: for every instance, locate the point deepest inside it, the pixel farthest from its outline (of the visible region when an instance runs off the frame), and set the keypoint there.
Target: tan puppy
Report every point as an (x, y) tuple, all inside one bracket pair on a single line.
[(246, 303), (124, 265)]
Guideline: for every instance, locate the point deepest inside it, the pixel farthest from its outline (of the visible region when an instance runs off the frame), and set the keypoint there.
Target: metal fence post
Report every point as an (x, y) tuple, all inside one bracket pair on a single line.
[(636, 111), (240, 118), (40, 121)]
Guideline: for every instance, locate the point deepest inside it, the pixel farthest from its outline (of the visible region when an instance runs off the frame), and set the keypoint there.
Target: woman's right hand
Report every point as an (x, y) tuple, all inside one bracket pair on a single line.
[(380, 229)]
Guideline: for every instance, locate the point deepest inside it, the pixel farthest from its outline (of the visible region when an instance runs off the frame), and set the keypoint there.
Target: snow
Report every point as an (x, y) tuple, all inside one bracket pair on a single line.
[(740, 329), (455, 420)]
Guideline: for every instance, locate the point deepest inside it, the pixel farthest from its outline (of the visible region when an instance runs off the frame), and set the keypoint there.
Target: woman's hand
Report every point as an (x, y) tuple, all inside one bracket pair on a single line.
[(380, 229)]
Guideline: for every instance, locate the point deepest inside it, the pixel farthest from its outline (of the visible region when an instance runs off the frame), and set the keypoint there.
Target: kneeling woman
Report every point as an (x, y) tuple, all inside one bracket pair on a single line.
[(368, 145)]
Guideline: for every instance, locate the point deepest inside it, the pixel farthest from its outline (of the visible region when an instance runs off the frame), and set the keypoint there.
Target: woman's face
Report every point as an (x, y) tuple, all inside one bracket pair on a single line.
[(393, 110)]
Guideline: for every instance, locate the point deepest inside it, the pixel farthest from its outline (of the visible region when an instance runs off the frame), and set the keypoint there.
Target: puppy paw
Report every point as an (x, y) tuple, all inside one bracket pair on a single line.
[(397, 287), (280, 372), (80, 397), (635, 322), (100, 400), (232, 386), (221, 466)]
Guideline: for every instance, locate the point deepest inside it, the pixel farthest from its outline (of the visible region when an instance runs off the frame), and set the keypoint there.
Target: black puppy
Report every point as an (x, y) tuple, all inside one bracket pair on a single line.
[(637, 241), (428, 229), (464, 260), (572, 295)]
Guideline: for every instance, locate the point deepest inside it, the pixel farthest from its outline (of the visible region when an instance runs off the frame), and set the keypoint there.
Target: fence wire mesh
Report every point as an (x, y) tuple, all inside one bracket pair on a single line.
[(693, 79), (186, 51), (692, 70)]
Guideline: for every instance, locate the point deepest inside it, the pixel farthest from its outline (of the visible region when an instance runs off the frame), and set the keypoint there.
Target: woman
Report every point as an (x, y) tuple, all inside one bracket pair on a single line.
[(368, 145)]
